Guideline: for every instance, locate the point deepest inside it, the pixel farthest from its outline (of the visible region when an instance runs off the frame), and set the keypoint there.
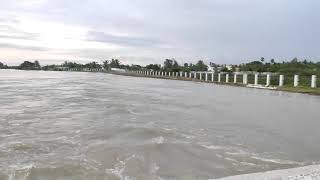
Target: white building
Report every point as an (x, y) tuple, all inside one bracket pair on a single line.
[(211, 68), (118, 70)]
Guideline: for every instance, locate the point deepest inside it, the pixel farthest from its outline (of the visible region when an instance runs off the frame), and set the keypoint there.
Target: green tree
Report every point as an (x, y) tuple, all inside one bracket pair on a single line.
[(37, 65), (154, 67), (115, 63), (93, 65), (305, 68), (72, 65), (200, 66), (168, 64), (294, 60), (135, 67), (27, 65), (225, 69), (305, 62), (175, 66), (106, 65), (272, 61)]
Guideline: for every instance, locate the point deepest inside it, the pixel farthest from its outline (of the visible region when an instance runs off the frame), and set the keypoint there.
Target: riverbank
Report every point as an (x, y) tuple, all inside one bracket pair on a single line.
[(299, 89), (302, 173)]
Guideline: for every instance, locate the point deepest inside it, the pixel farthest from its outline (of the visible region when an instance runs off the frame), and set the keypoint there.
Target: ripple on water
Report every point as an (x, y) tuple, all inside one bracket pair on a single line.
[(32, 172)]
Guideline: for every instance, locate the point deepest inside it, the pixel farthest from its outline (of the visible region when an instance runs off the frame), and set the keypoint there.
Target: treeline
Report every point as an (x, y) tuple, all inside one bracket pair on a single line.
[(73, 65), (168, 65), (3, 66), (107, 65), (26, 65), (173, 66), (295, 66)]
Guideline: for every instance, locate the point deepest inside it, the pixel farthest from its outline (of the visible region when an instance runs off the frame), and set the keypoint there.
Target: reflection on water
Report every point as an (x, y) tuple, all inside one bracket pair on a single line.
[(69, 125)]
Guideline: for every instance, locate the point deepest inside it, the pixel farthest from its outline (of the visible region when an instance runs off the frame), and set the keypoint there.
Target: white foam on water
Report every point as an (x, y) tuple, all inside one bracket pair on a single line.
[(254, 156), (247, 164), (188, 136), (303, 173), (213, 147), (154, 170), (120, 167), (168, 129), (20, 172), (158, 140), (277, 161), (230, 159)]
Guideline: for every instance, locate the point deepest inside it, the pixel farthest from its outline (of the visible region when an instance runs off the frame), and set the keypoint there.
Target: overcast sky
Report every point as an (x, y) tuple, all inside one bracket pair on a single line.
[(148, 31)]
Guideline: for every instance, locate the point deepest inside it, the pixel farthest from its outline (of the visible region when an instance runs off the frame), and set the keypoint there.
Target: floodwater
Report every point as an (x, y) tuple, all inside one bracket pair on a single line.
[(76, 125)]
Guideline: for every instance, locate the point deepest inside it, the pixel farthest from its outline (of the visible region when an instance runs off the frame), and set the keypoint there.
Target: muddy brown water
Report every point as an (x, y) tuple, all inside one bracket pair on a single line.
[(77, 125)]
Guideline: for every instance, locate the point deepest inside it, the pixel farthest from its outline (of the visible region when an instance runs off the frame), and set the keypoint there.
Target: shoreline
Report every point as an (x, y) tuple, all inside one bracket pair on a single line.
[(301, 173), (299, 89)]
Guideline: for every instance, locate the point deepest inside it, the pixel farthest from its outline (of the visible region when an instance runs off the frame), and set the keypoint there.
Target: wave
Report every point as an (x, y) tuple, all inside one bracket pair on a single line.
[(253, 158), (213, 147)]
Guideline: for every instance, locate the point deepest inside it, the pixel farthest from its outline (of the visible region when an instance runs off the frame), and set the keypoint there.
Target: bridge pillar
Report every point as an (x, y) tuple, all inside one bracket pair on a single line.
[(313, 81), (268, 80), (296, 80), (245, 78), (256, 78)]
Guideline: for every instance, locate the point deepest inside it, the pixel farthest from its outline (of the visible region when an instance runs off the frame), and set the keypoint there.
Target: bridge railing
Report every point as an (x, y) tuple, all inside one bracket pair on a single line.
[(264, 79)]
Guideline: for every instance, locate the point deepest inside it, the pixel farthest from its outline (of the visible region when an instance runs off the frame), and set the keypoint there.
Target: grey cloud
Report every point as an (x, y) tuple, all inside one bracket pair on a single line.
[(21, 47), (100, 55), (8, 31), (25, 36), (227, 31), (123, 40)]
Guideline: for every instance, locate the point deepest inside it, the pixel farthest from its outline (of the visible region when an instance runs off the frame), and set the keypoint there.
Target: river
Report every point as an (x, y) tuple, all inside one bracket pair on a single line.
[(77, 125)]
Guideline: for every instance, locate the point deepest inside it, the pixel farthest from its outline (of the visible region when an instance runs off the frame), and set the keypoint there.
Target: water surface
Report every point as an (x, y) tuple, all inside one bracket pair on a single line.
[(76, 125)]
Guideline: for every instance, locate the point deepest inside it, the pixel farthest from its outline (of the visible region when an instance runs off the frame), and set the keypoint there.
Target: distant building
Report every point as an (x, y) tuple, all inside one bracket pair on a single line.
[(229, 67), (118, 70), (211, 69), (219, 67)]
